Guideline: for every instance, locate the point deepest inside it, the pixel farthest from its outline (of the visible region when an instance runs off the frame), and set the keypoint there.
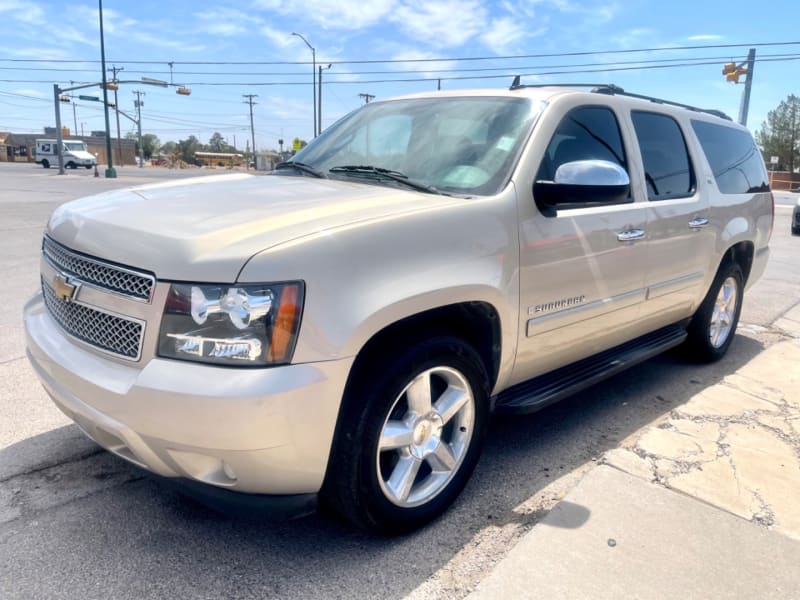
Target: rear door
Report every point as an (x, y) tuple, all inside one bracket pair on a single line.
[(680, 232)]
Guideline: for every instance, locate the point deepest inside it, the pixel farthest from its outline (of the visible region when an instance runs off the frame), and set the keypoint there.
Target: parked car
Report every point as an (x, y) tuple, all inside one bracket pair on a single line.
[(343, 328), (796, 218)]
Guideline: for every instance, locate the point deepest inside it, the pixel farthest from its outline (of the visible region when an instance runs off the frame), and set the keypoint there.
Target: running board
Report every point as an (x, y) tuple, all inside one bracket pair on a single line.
[(536, 393)]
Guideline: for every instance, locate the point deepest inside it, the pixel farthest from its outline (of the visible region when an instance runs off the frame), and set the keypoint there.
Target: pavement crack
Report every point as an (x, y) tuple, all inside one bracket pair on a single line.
[(46, 467)]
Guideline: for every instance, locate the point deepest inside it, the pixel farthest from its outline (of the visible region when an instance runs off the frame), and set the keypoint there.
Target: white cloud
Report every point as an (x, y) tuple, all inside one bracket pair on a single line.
[(23, 12), (705, 37), (503, 35), (635, 38), (343, 14), (596, 11), (441, 23), (430, 69), (226, 21), (31, 92), (165, 42), (279, 39)]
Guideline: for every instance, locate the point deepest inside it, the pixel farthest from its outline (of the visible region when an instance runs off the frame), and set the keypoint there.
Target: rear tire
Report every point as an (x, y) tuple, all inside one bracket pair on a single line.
[(713, 326), (409, 436)]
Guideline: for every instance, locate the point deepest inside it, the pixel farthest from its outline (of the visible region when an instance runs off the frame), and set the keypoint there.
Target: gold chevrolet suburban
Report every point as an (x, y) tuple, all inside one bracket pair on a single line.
[(343, 328)]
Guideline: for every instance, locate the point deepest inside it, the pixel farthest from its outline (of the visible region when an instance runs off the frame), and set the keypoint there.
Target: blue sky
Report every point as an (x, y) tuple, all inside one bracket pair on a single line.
[(344, 31)]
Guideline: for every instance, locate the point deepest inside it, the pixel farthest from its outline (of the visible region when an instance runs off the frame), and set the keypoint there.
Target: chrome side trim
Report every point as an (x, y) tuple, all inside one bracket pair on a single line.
[(579, 313), (673, 285)]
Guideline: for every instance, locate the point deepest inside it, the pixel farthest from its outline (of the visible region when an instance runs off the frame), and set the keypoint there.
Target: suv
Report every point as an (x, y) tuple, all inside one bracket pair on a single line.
[(343, 328)]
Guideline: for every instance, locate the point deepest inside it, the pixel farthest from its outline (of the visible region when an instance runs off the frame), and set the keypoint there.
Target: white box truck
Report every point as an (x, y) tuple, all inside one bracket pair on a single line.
[(75, 154)]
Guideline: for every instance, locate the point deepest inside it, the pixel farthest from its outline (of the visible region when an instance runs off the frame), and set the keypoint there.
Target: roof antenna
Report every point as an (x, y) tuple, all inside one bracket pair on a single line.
[(515, 84)]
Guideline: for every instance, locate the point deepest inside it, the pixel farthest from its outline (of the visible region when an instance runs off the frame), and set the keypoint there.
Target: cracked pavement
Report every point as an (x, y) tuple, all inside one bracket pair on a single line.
[(734, 445)]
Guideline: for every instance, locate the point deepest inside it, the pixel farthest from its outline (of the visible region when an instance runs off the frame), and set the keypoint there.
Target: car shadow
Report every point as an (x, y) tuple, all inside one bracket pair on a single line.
[(136, 536)]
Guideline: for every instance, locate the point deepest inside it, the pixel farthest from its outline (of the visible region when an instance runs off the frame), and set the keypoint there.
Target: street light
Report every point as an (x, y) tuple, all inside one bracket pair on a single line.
[(110, 172), (319, 110), (313, 78)]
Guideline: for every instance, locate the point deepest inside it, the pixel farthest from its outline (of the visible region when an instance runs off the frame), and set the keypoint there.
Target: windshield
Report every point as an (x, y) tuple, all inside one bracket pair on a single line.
[(75, 146), (457, 145)]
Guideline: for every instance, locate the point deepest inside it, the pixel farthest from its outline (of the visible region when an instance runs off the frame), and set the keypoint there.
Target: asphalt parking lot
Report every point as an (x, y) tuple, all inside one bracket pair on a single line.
[(79, 523)]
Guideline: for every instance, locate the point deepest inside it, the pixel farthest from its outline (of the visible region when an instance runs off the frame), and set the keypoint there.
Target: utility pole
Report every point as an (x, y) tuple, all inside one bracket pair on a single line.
[(367, 97), (74, 115), (252, 130), (138, 104), (114, 70), (744, 107)]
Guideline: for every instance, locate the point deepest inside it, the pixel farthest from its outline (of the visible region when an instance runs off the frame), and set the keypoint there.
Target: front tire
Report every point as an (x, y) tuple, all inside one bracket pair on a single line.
[(46, 163), (72, 165), (713, 326), (409, 436)]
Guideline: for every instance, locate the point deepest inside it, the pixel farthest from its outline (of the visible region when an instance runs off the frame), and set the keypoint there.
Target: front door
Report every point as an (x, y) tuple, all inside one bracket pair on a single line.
[(581, 269)]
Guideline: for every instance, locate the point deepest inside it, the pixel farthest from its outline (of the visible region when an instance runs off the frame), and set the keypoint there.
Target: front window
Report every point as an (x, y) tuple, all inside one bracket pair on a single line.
[(74, 146), (465, 146)]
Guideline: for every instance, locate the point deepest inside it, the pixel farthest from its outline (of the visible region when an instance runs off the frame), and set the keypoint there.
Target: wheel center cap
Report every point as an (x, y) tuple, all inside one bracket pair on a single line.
[(427, 432)]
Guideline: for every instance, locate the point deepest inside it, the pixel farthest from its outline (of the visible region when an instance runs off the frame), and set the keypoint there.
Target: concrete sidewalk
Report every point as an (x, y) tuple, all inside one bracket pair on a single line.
[(704, 503)]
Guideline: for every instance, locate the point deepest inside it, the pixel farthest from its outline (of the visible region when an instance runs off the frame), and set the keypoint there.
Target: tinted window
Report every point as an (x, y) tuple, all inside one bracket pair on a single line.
[(735, 161), (589, 132), (667, 168)]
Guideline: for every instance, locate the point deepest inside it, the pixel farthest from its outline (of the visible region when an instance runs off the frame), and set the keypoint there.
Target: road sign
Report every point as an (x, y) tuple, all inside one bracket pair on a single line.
[(89, 98), (297, 144), (773, 160)]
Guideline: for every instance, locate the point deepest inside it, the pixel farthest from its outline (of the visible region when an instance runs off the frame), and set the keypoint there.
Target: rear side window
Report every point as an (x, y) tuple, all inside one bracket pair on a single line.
[(589, 132), (667, 168), (735, 161)]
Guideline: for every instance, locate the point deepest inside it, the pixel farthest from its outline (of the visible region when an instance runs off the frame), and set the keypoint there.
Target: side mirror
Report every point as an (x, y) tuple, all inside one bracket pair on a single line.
[(583, 183)]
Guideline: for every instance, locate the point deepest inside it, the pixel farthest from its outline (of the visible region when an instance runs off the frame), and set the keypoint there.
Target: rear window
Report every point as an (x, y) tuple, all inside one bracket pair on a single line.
[(734, 158)]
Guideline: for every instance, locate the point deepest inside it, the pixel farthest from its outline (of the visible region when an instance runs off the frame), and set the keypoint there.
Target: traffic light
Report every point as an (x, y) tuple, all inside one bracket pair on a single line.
[(64, 99), (112, 86), (183, 91), (733, 72), (111, 105)]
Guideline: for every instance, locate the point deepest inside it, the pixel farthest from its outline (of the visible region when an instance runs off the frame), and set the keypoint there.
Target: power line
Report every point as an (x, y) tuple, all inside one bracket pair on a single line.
[(509, 72), (415, 60)]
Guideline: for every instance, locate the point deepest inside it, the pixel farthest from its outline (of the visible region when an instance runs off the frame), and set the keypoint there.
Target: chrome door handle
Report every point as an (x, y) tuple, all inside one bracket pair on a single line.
[(698, 223), (630, 235)]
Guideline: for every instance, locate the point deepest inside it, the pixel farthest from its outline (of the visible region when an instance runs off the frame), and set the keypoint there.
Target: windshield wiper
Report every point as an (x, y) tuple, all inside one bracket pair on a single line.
[(290, 164), (388, 174)]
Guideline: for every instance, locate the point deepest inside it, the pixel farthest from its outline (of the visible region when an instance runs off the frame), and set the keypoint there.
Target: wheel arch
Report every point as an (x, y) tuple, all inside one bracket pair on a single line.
[(476, 322), (741, 253)]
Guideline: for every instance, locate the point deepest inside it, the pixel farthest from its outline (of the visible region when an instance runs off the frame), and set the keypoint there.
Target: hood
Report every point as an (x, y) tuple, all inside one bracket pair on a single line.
[(206, 228), (81, 154)]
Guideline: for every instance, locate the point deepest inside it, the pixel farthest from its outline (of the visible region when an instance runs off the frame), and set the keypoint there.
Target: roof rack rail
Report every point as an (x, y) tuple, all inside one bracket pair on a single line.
[(615, 90)]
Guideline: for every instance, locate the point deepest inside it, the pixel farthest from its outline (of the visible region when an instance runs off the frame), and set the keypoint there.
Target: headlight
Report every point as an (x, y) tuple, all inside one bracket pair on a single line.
[(243, 325)]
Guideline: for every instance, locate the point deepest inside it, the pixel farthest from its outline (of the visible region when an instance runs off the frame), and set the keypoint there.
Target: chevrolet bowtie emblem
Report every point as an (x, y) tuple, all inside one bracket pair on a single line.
[(63, 288)]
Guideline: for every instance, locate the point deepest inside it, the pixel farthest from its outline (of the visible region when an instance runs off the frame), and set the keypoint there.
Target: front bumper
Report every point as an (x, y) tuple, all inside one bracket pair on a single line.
[(265, 431)]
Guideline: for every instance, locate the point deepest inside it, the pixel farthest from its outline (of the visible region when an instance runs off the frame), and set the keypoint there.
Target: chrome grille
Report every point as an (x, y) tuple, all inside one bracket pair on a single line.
[(108, 332), (111, 277)]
